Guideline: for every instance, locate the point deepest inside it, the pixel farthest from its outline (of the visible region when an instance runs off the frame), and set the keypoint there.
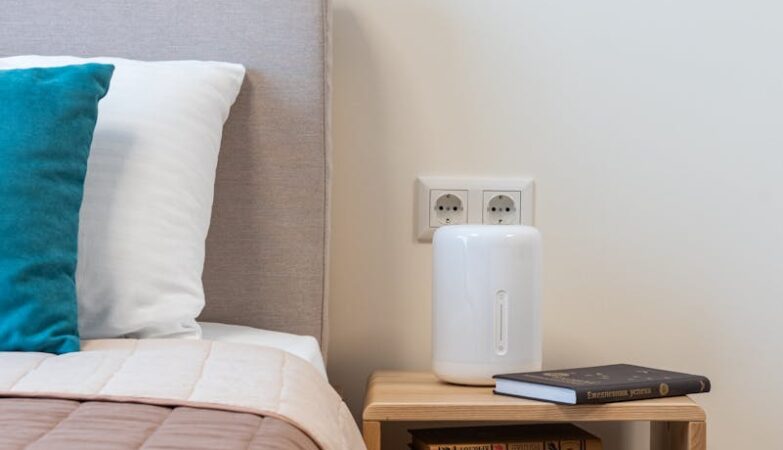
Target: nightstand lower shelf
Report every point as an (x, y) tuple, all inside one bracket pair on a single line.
[(677, 423)]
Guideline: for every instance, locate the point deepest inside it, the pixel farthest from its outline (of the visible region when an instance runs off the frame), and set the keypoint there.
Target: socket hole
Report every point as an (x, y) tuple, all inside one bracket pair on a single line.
[(494, 209), (440, 208), (508, 209)]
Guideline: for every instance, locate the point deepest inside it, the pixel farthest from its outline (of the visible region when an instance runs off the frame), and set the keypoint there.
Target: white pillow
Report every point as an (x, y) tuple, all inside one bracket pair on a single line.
[(148, 194)]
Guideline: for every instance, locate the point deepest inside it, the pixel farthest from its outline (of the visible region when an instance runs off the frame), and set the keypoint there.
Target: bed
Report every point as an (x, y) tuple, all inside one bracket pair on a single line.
[(257, 379)]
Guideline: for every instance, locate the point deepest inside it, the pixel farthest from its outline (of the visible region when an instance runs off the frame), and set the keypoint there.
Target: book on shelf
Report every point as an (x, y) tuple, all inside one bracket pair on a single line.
[(505, 437), (600, 384)]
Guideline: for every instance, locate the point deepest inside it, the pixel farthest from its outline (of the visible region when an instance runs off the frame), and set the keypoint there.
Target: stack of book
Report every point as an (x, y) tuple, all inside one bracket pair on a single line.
[(511, 437)]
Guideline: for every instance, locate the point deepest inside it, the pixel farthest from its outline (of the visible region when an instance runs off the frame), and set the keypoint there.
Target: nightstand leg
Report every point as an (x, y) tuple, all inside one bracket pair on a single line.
[(678, 436), (371, 430)]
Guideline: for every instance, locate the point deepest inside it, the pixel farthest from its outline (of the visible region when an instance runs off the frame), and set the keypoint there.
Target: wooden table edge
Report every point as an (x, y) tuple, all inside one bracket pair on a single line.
[(389, 412)]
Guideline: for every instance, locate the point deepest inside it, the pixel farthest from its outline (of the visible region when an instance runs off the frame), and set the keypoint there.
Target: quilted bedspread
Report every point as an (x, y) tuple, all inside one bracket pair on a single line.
[(53, 424), (199, 374)]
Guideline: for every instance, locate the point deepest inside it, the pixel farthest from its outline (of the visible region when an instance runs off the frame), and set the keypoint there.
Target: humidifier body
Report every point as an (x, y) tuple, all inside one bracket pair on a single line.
[(486, 295)]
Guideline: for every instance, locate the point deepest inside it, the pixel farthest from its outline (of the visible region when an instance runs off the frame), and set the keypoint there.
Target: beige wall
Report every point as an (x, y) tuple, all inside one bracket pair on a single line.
[(654, 131)]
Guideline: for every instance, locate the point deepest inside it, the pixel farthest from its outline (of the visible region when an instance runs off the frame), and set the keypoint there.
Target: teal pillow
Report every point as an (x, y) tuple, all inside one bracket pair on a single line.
[(47, 118)]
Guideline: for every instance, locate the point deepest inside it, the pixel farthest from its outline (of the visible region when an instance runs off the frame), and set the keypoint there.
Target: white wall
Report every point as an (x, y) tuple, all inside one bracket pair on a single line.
[(654, 131)]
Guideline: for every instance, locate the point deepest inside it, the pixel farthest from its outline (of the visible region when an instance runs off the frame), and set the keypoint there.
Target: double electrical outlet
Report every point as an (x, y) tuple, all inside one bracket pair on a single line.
[(453, 201)]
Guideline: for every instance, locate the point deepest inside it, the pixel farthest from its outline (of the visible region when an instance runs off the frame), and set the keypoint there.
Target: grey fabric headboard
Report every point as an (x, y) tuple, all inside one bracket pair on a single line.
[(268, 243)]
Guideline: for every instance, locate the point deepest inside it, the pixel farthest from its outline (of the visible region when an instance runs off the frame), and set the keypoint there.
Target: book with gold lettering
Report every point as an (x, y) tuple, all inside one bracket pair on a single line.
[(601, 384), (506, 437)]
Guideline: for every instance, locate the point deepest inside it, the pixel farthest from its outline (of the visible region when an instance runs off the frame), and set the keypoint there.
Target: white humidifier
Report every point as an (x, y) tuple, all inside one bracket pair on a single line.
[(486, 295)]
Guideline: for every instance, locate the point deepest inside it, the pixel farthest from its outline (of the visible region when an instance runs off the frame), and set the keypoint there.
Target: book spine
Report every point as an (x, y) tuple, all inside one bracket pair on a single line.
[(555, 444), (462, 447), (641, 391), (479, 447), (421, 446), (537, 445)]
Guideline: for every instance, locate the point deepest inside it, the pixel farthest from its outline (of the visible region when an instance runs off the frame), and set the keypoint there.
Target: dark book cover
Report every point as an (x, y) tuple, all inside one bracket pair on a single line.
[(615, 383)]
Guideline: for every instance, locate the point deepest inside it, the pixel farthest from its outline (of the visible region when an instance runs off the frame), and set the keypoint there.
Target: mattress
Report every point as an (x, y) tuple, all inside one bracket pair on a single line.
[(305, 347)]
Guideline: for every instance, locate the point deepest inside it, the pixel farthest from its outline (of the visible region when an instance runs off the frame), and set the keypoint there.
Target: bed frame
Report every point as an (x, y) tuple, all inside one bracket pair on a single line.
[(267, 250)]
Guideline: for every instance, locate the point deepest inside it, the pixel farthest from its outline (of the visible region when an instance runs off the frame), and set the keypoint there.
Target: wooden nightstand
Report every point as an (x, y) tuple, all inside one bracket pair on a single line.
[(677, 423)]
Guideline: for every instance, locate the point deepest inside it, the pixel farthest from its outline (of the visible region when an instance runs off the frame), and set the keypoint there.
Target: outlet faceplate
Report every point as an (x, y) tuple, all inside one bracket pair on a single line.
[(474, 195)]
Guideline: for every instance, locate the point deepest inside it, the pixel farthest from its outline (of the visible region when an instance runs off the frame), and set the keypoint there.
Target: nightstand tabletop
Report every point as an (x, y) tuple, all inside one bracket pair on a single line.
[(419, 396)]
